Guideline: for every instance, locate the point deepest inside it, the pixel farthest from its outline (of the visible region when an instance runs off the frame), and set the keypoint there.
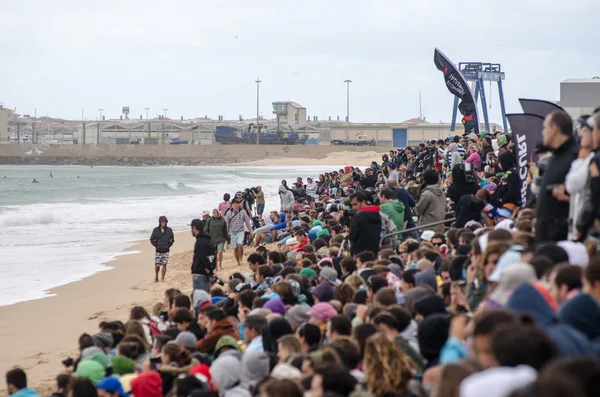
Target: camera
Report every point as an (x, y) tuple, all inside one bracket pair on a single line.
[(470, 175), (68, 362)]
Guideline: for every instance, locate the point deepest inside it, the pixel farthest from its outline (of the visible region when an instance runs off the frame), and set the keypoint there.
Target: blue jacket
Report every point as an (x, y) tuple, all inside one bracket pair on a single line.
[(280, 225), (25, 393), (570, 342)]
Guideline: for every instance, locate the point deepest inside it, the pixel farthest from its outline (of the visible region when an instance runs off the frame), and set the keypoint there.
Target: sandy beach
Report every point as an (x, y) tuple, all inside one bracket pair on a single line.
[(39, 334)]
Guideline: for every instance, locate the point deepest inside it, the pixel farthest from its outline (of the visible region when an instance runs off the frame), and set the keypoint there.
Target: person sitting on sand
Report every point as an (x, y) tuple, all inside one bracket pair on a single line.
[(162, 239), (16, 382), (218, 325)]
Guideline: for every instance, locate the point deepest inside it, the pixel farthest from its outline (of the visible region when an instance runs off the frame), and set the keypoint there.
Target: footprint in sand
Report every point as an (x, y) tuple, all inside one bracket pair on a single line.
[(95, 315)]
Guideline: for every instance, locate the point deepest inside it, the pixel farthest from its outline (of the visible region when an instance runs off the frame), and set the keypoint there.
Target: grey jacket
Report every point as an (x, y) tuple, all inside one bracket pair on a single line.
[(432, 207), (226, 373), (217, 228)]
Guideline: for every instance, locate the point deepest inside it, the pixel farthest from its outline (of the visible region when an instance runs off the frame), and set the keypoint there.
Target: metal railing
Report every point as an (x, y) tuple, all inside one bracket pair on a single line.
[(412, 229)]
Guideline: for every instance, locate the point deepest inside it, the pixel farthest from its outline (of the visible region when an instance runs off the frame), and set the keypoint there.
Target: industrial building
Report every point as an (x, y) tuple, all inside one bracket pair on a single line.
[(290, 117), (580, 96)]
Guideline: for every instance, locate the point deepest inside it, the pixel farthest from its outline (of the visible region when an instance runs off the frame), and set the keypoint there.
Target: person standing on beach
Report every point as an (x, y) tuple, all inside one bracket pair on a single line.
[(259, 195), (236, 219), (162, 239), (203, 262), (217, 228), (225, 205)]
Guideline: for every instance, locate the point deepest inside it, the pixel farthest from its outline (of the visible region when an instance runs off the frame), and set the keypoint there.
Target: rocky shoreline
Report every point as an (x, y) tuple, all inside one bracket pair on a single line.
[(122, 161)]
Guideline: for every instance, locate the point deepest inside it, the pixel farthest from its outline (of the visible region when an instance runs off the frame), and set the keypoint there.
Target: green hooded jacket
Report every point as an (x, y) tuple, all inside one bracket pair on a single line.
[(395, 210)]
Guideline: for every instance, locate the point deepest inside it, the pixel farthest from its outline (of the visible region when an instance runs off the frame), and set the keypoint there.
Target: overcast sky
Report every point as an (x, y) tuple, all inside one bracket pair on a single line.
[(201, 57)]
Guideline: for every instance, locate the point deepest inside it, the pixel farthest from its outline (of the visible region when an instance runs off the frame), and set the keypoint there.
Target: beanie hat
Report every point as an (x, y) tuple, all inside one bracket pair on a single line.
[(317, 223), (308, 272), (112, 384), (330, 275), (147, 384), (203, 369), (298, 315), (502, 141), (186, 339), (426, 277), (103, 340), (226, 341), (276, 306), (322, 311), (123, 365), (324, 292)]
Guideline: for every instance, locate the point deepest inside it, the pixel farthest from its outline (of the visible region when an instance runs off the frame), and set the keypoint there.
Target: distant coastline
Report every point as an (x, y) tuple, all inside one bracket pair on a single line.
[(182, 155)]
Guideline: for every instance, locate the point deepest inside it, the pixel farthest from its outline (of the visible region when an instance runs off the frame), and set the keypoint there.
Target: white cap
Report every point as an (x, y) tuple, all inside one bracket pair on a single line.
[(427, 235), (205, 212), (506, 224), (578, 255)]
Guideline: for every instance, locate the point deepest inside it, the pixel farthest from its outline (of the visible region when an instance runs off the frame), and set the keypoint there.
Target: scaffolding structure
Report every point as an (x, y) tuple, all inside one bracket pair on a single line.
[(480, 72)]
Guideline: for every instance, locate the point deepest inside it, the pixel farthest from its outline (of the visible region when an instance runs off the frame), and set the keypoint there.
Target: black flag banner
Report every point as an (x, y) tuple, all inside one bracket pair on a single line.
[(459, 87), (538, 107), (526, 132)]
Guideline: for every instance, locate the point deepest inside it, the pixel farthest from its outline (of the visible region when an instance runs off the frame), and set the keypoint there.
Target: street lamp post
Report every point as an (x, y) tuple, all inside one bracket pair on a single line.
[(148, 120), (34, 137), (257, 110), (98, 131), (162, 139), (347, 109)]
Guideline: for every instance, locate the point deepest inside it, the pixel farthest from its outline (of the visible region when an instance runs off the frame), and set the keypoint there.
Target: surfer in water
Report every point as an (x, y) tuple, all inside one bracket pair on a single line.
[(77, 176), (51, 175), (34, 181)]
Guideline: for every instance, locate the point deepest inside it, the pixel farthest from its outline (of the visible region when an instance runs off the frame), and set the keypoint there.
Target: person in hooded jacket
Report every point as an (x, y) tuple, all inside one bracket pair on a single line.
[(226, 372), (432, 203), (162, 239), (460, 187), (365, 225), (203, 262), (286, 198), (527, 299), (216, 227), (507, 192), (469, 207)]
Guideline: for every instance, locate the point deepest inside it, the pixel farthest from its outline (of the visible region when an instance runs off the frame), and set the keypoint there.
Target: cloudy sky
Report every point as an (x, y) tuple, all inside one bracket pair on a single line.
[(201, 57)]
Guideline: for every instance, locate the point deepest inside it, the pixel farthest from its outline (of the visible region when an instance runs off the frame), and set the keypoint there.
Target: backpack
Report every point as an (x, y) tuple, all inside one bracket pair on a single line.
[(388, 226)]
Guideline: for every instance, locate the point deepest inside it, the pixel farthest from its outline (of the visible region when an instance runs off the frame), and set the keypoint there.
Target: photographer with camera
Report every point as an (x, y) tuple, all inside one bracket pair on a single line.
[(365, 225), (259, 196)]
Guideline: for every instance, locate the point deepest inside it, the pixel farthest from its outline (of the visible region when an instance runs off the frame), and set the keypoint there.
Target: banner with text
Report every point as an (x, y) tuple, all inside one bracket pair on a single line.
[(459, 87), (526, 133)]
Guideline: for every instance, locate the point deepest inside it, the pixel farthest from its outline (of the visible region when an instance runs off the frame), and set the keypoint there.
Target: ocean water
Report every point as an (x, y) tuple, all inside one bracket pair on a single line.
[(64, 228)]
